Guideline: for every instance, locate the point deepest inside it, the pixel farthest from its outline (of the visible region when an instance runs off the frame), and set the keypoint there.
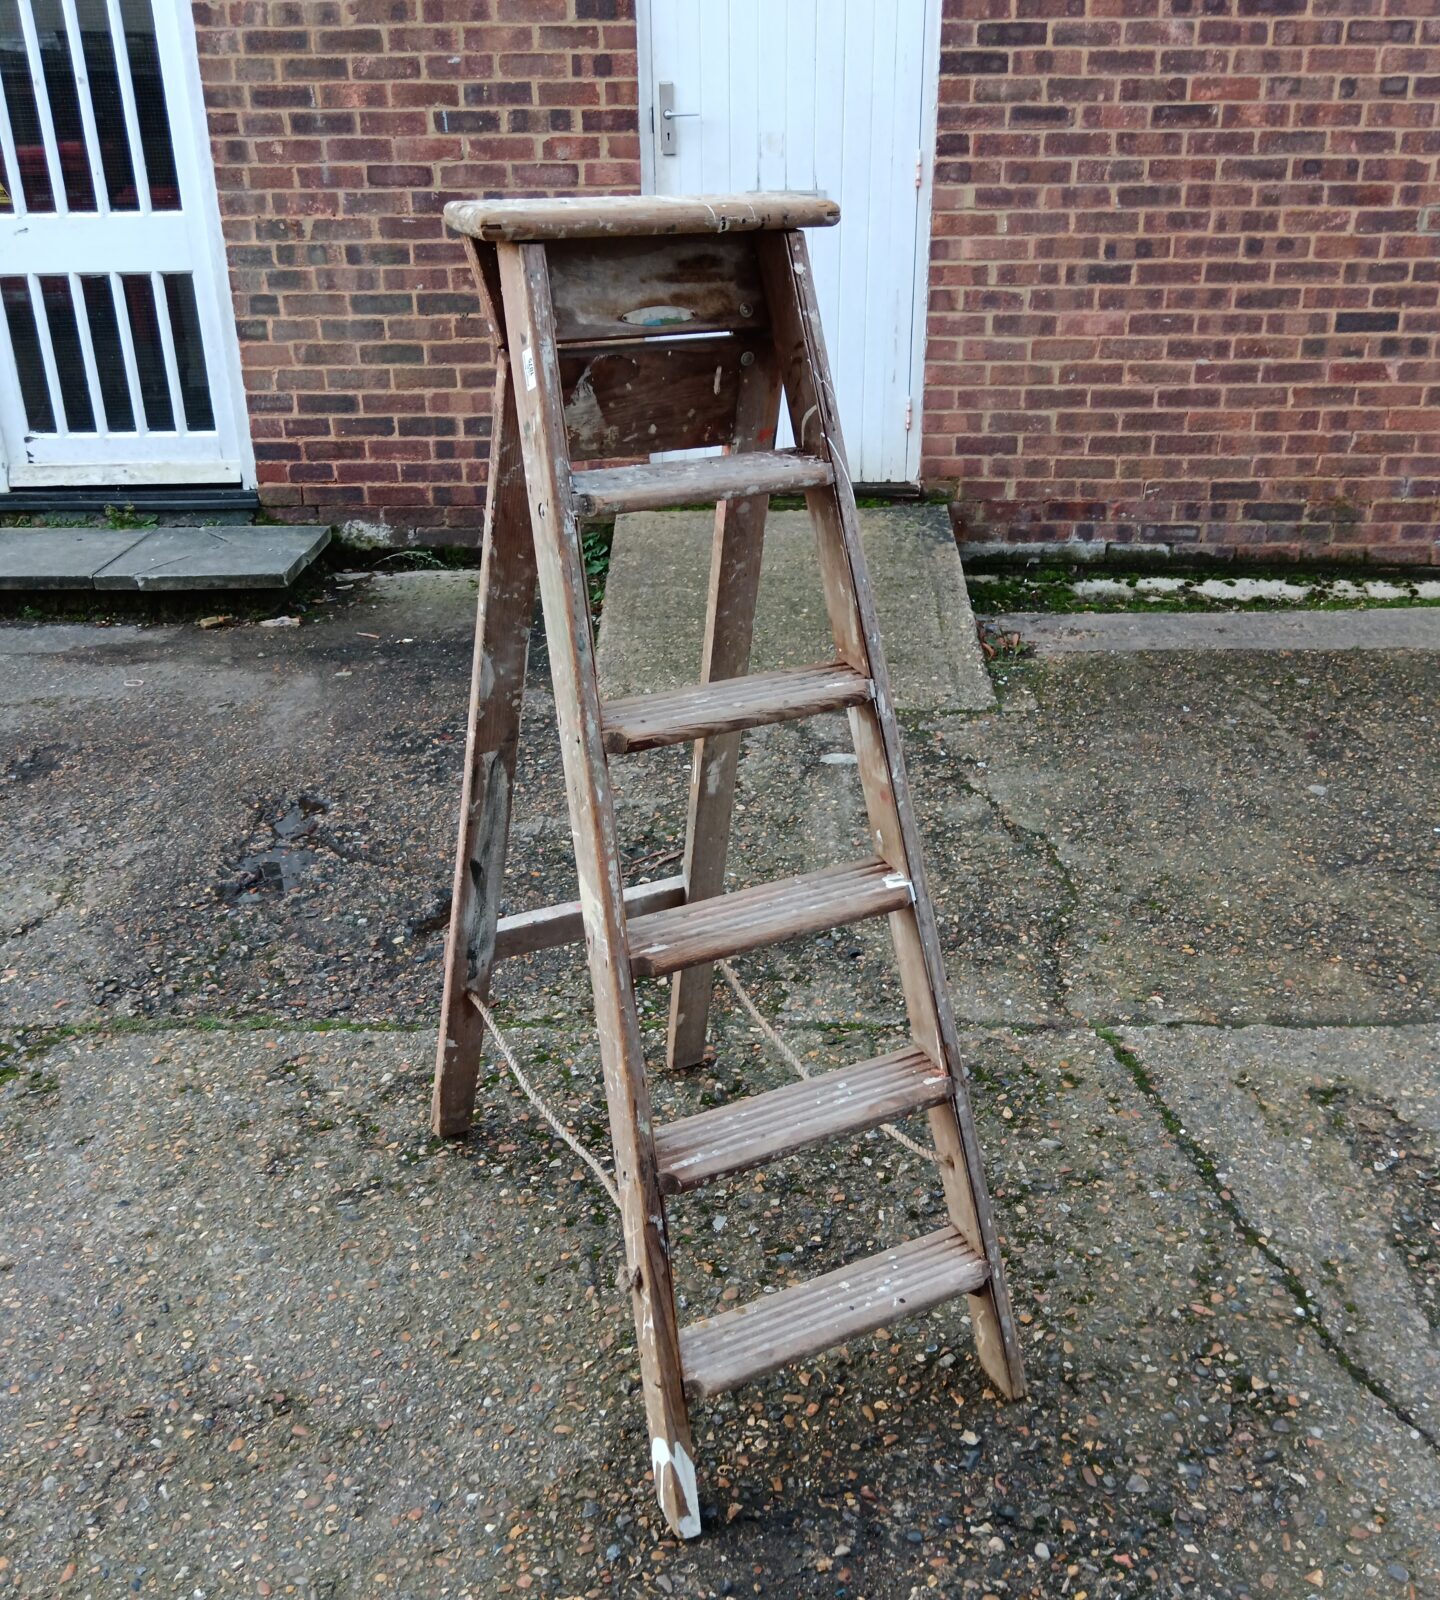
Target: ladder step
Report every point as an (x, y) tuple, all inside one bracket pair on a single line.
[(604, 491), (723, 1352), (644, 721), (725, 925), (699, 1149)]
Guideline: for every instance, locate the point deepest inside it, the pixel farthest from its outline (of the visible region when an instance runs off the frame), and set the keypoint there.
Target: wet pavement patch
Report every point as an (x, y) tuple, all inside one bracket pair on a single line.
[(39, 763), (283, 866)]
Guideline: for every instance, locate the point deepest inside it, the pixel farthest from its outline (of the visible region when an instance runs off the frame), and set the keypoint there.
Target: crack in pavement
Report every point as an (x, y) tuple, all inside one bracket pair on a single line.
[(1205, 1170), (1037, 839), (64, 899)]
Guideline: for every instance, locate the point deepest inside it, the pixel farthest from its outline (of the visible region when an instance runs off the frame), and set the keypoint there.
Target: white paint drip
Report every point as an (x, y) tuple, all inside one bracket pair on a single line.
[(661, 1457)]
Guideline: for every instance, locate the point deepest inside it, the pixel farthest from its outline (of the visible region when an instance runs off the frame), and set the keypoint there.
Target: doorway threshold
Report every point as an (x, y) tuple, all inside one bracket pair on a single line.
[(177, 500)]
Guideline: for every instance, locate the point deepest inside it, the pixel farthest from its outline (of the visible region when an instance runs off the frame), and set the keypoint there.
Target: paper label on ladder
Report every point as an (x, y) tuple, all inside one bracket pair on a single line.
[(527, 366)]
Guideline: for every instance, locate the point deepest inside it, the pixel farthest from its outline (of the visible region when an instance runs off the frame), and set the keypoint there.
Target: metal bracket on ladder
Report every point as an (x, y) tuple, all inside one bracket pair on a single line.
[(708, 302)]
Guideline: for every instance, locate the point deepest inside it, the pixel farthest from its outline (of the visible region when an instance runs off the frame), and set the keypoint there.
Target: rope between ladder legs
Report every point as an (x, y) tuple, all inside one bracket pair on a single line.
[(533, 1095), (793, 1061), (536, 1099)]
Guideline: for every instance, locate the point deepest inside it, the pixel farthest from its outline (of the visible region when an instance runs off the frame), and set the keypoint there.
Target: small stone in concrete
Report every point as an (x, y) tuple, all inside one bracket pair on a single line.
[(59, 558), (214, 558), (654, 618)]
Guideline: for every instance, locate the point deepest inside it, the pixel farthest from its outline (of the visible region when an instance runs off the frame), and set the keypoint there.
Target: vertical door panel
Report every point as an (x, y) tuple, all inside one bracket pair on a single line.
[(125, 374), (827, 95)]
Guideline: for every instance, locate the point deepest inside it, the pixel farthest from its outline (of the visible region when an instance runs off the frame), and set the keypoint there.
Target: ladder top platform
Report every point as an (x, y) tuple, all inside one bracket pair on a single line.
[(645, 215)]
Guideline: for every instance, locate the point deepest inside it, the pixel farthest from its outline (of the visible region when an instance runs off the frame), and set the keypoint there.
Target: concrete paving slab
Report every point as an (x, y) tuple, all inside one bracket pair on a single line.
[(1381, 628), (267, 1337), (59, 558), (220, 934), (659, 573), (214, 558), (220, 959), (1328, 1141), (1217, 837)]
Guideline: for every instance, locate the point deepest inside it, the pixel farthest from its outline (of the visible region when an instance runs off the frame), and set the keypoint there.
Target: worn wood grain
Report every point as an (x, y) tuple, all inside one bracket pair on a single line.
[(739, 1346), (632, 288), (630, 398), (609, 216), (565, 597), (748, 1133), (550, 927), (768, 913), (497, 682), (729, 705), (486, 267), (653, 485)]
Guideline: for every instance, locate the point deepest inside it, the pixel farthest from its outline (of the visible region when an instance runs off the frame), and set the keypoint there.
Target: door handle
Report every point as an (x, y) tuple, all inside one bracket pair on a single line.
[(665, 104)]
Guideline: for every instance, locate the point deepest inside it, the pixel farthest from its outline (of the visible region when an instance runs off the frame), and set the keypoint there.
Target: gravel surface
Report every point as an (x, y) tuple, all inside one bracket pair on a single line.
[(261, 1336)]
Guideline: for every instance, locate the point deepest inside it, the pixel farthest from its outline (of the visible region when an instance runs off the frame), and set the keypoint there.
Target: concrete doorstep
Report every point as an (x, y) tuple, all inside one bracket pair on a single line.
[(655, 596), (176, 558)]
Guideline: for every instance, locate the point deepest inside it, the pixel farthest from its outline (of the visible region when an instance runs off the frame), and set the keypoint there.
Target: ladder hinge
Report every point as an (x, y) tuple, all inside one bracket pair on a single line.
[(909, 415)]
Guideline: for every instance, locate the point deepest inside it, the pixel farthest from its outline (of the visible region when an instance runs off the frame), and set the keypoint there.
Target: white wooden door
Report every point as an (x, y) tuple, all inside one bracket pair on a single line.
[(834, 96), (118, 357)]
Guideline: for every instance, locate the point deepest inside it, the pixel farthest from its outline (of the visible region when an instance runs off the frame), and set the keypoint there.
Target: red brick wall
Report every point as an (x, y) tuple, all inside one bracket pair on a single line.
[(1184, 289), (1185, 282), (339, 129)]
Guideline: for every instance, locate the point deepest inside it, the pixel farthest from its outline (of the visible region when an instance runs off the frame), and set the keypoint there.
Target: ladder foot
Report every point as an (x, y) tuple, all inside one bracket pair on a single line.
[(675, 1486), (453, 1126), (999, 1359)]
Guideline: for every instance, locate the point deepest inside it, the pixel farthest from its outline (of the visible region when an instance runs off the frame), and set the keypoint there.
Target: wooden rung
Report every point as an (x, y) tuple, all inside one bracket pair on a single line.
[(549, 927), (707, 930), (748, 1133), (723, 1352), (606, 491), (643, 721)]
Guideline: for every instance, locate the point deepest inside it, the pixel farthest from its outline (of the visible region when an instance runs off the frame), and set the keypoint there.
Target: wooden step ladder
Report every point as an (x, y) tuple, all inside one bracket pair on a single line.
[(625, 327)]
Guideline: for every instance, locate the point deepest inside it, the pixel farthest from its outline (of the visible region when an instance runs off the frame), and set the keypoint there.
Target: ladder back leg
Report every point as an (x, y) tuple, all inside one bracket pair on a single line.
[(497, 683), (810, 395), (536, 374), (729, 627)]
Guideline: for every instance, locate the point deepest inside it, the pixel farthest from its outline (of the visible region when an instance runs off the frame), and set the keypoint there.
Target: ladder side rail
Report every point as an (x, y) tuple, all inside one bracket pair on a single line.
[(810, 395), (729, 630), (504, 611), (536, 373)]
